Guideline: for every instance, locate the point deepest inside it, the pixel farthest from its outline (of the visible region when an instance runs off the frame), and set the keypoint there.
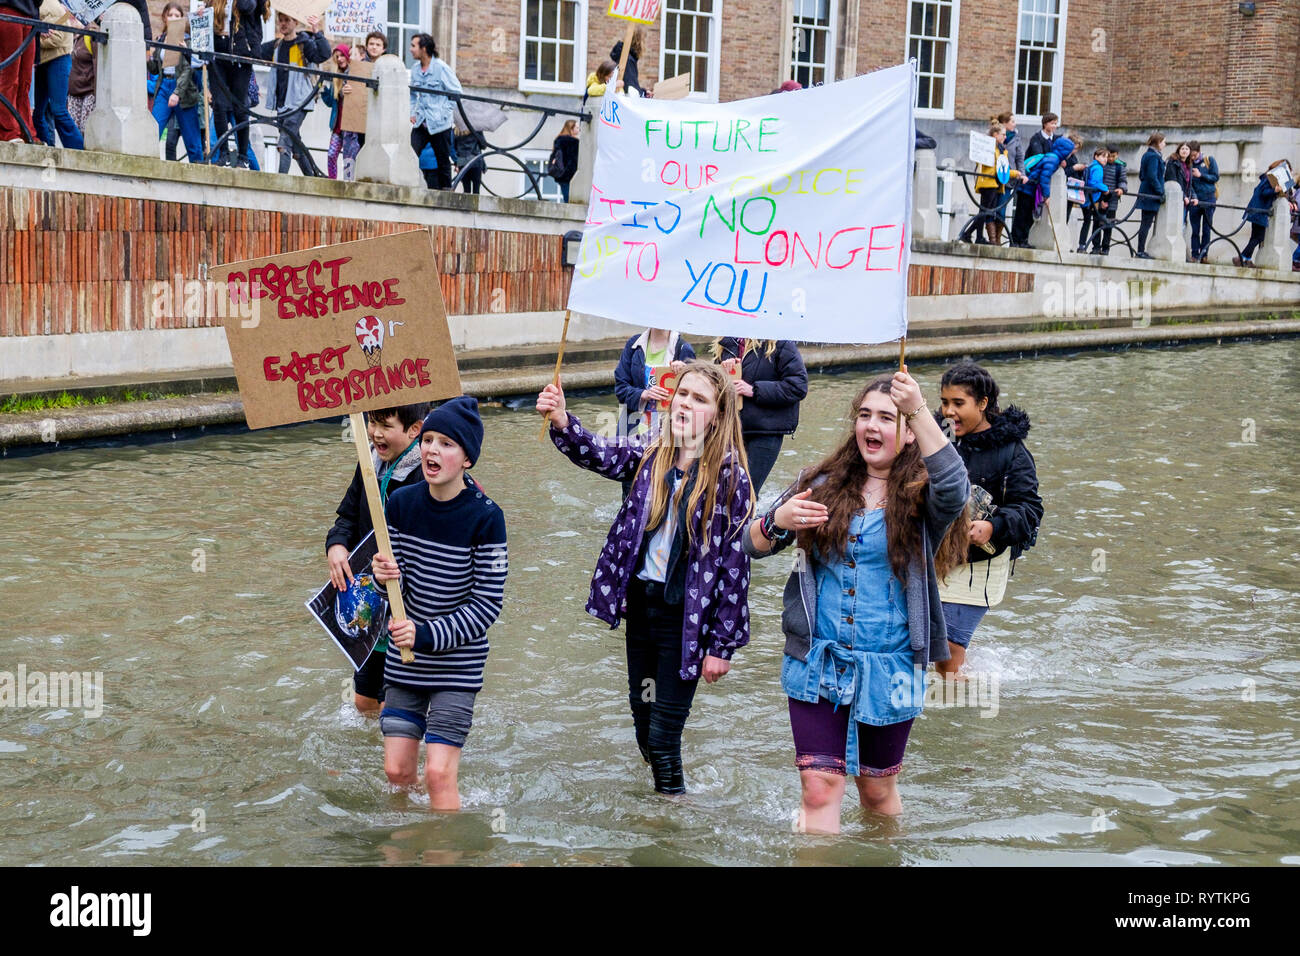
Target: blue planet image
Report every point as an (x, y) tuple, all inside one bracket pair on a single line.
[(362, 608)]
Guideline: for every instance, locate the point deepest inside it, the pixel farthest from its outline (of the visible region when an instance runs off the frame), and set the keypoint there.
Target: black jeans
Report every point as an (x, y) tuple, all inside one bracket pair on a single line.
[(762, 452), (441, 142), (660, 699), (1256, 237), (1148, 220), (1202, 220), (1092, 218), (1023, 219), (230, 97)]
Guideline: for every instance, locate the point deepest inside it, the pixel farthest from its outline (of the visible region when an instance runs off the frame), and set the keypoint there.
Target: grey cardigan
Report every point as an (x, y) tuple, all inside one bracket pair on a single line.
[(948, 493)]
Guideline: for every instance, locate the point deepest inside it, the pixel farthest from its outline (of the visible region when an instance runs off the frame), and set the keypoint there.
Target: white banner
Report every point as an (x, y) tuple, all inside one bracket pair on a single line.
[(785, 216)]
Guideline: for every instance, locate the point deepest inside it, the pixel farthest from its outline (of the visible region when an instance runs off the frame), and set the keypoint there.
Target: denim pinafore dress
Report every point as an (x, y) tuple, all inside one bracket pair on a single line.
[(860, 656)]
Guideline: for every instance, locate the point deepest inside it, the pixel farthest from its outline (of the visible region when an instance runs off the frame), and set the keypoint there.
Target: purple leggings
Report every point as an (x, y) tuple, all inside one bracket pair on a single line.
[(821, 733)]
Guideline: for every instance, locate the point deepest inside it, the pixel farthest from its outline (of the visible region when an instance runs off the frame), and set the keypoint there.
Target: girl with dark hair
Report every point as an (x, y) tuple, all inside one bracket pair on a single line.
[(630, 80), (1178, 169), (877, 525), (673, 565), (1205, 187), (1005, 501)]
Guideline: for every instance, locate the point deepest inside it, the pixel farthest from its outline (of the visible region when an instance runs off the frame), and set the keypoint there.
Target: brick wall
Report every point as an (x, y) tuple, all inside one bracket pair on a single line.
[(82, 263)]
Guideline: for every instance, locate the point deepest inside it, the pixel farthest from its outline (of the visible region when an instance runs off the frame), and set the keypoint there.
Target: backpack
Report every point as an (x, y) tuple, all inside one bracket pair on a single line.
[(555, 167)]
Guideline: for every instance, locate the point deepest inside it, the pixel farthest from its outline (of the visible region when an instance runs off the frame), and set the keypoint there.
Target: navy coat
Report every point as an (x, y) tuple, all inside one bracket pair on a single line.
[(1151, 180), (1203, 186), (1261, 202)]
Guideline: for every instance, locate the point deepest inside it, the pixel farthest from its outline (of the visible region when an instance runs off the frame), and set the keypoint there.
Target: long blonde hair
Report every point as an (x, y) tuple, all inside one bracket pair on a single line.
[(721, 445), (767, 345)]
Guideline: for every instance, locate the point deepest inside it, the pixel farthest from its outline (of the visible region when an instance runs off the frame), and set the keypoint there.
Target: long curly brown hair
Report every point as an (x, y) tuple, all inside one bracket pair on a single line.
[(845, 473)]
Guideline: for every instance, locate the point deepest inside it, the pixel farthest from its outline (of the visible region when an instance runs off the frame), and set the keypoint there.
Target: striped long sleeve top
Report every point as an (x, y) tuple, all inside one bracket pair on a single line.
[(453, 559)]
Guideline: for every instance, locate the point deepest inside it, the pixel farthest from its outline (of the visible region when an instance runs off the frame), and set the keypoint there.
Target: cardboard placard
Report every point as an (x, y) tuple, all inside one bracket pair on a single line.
[(356, 102), (87, 11), (1281, 178), (356, 18), (638, 11), (176, 37), (666, 378), (983, 149), (339, 329), (678, 88), (301, 10), (201, 31)]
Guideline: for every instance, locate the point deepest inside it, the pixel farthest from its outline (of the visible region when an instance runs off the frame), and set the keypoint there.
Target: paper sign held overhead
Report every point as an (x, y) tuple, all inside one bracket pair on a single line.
[(301, 10), (356, 18), (779, 217), (340, 329), (638, 11)]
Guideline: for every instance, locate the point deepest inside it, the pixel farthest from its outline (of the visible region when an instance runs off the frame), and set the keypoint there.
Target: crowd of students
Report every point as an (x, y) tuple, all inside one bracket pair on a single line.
[(1023, 172), (902, 549)]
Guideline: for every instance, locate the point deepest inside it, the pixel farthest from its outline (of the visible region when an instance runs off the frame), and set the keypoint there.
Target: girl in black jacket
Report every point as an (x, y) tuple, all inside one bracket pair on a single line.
[(773, 381), (991, 443)]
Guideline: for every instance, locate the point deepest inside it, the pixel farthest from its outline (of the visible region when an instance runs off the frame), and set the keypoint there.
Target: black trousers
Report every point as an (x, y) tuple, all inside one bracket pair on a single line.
[(1256, 237), (1202, 220), (1092, 219), (441, 142), (660, 699), (1148, 220), (1023, 218), (762, 452)]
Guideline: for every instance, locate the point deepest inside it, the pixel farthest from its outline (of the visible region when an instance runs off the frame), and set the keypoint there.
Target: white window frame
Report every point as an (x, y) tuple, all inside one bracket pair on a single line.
[(1058, 66), (832, 39), (574, 85), (714, 54), (540, 156), (426, 18), (950, 65)]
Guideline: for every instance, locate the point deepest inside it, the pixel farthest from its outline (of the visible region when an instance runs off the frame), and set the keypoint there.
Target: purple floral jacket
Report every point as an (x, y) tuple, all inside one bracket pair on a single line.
[(716, 611)]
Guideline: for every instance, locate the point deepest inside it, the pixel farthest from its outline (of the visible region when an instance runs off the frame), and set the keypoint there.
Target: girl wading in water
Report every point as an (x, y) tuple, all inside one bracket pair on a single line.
[(991, 443), (681, 582), (862, 618)]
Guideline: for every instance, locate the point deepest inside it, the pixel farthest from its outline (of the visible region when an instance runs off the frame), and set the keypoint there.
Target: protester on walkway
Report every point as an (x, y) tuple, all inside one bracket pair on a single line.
[(16, 76), (1151, 190), (598, 79), (469, 146), (673, 565), (1015, 144), (376, 45), (992, 183), (1257, 213), (772, 383), (1116, 179), (1026, 192), (1178, 169), (1056, 156), (342, 142), (1205, 187), (565, 149), (243, 37), (877, 526), (178, 91), (290, 93), (431, 114), (1095, 202), (53, 69), (81, 81), (1008, 509), (630, 80)]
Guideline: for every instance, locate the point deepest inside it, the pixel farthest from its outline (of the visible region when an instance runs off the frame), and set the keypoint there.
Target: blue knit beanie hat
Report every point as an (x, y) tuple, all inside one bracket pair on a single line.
[(459, 420)]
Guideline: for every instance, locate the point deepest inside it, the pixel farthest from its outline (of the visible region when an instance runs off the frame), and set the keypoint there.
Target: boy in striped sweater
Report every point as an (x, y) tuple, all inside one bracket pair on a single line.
[(449, 552)]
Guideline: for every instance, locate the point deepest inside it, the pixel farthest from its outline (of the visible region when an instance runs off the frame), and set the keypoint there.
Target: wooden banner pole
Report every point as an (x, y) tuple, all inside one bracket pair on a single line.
[(627, 45), (898, 422), (207, 116), (559, 360), (359, 436)]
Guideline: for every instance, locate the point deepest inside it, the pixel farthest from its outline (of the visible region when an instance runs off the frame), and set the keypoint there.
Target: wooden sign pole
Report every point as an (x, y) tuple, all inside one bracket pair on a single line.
[(385, 546), (898, 422), (627, 45), (559, 360), (207, 116)]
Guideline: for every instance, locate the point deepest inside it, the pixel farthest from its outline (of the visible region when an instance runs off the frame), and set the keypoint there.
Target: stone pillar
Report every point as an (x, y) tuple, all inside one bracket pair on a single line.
[(1167, 240), (580, 184), (387, 156), (1275, 251), (121, 121), (925, 197), (1050, 230), (443, 29)]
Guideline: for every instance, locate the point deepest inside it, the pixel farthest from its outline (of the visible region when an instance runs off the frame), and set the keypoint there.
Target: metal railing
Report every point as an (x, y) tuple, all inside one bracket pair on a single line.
[(284, 119)]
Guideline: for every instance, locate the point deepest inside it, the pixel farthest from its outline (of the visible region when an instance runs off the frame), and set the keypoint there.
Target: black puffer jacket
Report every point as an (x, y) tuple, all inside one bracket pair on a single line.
[(780, 383), (998, 461), (246, 38)]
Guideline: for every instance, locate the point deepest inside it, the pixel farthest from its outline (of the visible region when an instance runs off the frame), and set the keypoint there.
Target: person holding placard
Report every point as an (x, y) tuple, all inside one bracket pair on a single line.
[(630, 80), (53, 68), (991, 443), (449, 553), (673, 565), (772, 382), (342, 142), (178, 89), (1258, 211), (237, 29), (395, 446), (877, 527), (991, 182), (290, 93), (432, 114)]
